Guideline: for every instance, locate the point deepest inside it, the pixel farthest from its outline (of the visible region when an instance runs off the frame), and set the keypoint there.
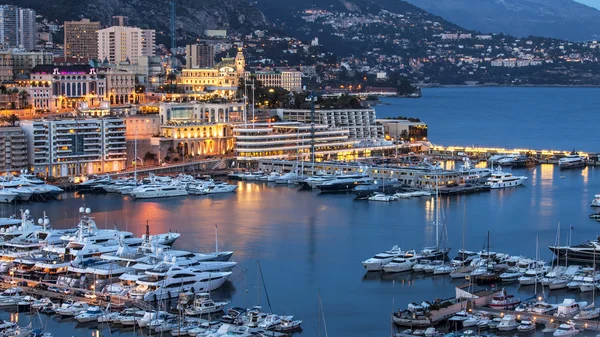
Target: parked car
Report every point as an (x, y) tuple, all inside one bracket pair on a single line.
[(90, 295), (65, 291), (79, 293), (54, 289), (41, 286), (22, 284)]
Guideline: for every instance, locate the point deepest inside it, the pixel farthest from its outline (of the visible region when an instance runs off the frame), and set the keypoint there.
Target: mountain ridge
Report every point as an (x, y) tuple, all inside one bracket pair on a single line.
[(562, 19)]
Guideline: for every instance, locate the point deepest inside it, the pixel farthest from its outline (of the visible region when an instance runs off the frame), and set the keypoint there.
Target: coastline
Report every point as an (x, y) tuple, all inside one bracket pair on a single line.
[(489, 85)]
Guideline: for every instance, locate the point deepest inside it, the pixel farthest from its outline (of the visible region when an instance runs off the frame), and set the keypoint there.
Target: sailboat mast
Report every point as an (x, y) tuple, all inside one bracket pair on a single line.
[(437, 210), (216, 238), (135, 155)]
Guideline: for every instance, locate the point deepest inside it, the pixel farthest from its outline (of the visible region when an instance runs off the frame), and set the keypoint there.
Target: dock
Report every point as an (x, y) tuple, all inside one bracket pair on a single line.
[(541, 319)]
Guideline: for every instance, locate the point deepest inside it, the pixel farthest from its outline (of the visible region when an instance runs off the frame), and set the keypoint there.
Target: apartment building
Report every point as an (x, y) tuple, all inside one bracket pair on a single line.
[(13, 149), (361, 123), (65, 147), (119, 44), (81, 38)]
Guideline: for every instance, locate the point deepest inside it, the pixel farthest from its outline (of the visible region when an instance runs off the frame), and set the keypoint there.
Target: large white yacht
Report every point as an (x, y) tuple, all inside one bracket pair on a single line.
[(596, 201), (572, 160), (7, 196), (501, 179), (377, 262), (158, 191), (169, 280)]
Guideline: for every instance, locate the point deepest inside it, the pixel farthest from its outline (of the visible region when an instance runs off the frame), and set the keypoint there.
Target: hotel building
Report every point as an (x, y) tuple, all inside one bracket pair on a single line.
[(288, 139), (360, 122), (13, 149), (17, 27), (65, 147), (81, 38)]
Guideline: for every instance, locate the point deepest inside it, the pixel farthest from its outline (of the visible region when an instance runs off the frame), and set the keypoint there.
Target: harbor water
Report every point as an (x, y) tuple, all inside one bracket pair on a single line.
[(309, 243)]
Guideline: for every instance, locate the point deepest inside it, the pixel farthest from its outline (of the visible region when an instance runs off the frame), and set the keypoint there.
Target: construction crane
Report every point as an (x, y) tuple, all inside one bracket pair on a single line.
[(173, 35)]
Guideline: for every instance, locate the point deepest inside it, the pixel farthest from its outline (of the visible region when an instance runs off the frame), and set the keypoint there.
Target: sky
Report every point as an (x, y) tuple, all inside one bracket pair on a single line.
[(591, 3)]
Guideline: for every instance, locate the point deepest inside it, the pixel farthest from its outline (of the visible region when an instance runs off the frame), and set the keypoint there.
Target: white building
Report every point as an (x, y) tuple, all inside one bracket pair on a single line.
[(290, 80), (283, 140), (360, 122), (65, 147), (118, 44)]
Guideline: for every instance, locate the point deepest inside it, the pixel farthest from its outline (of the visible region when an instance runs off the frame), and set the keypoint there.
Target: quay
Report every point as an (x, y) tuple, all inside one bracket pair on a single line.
[(540, 318), (483, 153)]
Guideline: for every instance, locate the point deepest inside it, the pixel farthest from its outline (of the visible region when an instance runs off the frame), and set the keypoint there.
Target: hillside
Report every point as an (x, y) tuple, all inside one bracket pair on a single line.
[(563, 19), (193, 16)]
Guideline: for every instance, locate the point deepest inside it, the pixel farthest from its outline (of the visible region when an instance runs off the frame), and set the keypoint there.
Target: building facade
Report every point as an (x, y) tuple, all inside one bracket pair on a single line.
[(404, 130), (120, 86), (119, 44), (199, 56), (290, 80), (288, 139), (61, 87), (16, 62), (360, 122), (81, 38), (119, 20), (66, 147), (18, 28), (222, 80), (13, 149)]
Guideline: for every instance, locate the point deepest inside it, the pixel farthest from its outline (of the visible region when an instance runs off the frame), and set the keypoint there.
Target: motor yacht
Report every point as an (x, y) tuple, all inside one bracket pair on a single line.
[(160, 191), (203, 305), (572, 160), (508, 323), (344, 183), (169, 280), (400, 264), (569, 308), (501, 179), (463, 257), (220, 188), (511, 275), (377, 262), (583, 252), (502, 300), (90, 315), (288, 178), (565, 330), (7, 196), (473, 174), (382, 197), (596, 201), (73, 309)]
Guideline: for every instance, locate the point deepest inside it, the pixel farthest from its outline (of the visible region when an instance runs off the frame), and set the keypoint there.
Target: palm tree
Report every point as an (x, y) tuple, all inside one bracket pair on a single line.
[(11, 119), (24, 97)]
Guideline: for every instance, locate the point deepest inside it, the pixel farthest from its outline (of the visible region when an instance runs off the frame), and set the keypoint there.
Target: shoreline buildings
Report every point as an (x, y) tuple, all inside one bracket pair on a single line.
[(65, 147)]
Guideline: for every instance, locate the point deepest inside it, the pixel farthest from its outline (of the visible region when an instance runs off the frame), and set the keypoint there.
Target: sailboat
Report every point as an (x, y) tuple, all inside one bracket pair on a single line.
[(437, 252), (486, 275), (590, 312)]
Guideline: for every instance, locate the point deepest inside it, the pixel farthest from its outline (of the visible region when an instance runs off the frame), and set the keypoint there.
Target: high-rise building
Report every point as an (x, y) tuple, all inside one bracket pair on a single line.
[(81, 38), (17, 27), (119, 44), (119, 20), (199, 56), (64, 147), (13, 149)]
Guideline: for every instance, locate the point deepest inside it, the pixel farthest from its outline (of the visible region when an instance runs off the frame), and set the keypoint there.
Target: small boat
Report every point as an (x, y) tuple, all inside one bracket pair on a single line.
[(565, 330), (204, 305), (569, 308), (501, 300), (381, 197), (90, 315), (526, 326), (508, 323), (377, 262)]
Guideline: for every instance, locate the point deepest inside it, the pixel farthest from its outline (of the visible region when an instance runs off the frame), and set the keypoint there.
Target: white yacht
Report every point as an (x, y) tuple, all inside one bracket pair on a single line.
[(470, 173), (73, 309), (572, 160), (220, 188), (400, 264), (288, 178), (377, 262), (161, 283), (7, 196), (203, 305), (501, 179), (158, 191), (596, 201), (90, 315)]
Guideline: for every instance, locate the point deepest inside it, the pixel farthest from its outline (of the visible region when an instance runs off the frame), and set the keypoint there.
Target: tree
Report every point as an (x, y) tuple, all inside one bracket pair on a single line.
[(11, 119), (149, 156), (404, 135), (24, 97)]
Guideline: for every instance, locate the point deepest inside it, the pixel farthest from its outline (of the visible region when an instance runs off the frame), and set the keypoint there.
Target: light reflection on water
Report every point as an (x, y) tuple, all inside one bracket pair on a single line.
[(307, 242)]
